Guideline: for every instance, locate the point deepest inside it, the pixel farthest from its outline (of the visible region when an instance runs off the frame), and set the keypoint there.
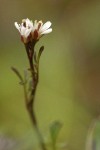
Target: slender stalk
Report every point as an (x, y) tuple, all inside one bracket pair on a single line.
[(34, 122), (30, 102)]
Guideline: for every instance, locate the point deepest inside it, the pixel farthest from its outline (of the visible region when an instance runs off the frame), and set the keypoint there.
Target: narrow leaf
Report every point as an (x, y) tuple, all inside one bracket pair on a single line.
[(18, 74), (40, 52), (54, 131), (35, 59), (26, 76)]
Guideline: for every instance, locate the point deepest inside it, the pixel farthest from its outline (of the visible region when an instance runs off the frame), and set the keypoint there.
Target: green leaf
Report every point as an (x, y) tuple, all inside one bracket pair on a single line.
[(30, 85), (18, 75), (35, 57), (54, 131), (40, 52), (26, 76)]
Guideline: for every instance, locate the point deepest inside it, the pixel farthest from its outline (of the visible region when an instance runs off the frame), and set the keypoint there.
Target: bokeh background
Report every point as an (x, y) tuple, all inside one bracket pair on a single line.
[(69, 86)]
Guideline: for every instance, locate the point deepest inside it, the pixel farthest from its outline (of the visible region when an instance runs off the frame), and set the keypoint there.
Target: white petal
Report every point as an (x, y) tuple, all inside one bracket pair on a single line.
[(45, 26), (29, 23), (23, 29), (47, 31), (35, 25), (17, 26), (27, 32), (27, 20)]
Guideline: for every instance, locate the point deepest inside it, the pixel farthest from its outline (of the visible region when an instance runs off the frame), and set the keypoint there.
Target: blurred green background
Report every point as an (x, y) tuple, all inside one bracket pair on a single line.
[(69, 87)]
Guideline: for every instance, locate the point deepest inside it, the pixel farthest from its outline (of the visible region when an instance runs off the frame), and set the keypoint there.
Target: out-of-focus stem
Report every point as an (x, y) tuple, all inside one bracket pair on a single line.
[(34, 122)]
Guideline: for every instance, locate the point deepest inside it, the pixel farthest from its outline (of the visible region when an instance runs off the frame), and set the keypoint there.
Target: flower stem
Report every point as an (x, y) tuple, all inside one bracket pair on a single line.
[(30, 100), (34, 122)]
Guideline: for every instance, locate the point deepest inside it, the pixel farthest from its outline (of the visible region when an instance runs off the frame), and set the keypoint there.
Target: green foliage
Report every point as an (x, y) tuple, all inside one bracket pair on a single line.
[(18, 75), (54, 131), (40, 52)]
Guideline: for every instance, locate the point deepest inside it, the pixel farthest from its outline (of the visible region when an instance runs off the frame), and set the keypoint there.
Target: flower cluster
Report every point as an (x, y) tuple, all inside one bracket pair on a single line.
[(30, 31)]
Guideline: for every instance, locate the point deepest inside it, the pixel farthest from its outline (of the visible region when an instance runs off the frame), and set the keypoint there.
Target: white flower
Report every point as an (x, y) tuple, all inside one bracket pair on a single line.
[(39, 29), (30, 31), (25, 29)]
